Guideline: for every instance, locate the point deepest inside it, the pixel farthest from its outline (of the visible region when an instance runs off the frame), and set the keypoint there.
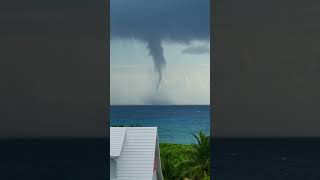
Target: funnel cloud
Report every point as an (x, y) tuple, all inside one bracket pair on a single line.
[(156, 51)]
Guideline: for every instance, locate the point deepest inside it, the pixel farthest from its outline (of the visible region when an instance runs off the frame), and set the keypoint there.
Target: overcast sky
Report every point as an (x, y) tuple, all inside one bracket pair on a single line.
[(182, 30)]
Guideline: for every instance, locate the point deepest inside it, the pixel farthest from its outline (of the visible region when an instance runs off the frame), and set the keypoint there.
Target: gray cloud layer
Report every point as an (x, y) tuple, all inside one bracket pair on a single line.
[(174, 20), (153, 21), (196, 50)]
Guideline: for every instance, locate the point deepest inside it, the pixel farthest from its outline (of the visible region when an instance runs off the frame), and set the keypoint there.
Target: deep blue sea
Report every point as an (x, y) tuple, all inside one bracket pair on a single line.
[(175, 123)]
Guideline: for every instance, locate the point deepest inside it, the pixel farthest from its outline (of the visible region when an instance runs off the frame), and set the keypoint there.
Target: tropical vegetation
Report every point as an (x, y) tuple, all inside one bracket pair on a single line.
[(186, 162)]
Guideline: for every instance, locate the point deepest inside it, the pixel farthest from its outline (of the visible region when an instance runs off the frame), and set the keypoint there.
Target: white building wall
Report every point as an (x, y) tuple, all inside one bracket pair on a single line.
[(158, 173), (116, 142), (137, 155), (154, 176), (112, 169)]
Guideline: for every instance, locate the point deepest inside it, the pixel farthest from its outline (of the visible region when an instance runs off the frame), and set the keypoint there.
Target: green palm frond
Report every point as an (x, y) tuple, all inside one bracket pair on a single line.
[(197, 166)]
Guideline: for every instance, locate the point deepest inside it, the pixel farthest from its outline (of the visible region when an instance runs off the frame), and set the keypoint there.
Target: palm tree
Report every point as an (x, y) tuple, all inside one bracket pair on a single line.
[(197, 166)]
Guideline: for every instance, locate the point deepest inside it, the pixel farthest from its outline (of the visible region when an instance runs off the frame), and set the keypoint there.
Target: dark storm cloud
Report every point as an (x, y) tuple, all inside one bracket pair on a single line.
[(154, 21), (173, 20), (196, 50), (267, 68), (52, 72)]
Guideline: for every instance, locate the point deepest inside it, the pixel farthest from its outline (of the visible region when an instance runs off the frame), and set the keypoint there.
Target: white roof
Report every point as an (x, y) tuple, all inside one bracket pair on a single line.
[(137, 154), (116, 142)]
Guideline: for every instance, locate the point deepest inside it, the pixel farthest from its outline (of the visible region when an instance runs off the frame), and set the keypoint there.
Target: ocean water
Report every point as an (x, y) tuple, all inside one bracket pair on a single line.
[(175, 123)]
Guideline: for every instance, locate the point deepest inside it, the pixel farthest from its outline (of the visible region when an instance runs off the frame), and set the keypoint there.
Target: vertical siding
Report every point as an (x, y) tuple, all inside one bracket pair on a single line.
[(158, 172), (138, 152)]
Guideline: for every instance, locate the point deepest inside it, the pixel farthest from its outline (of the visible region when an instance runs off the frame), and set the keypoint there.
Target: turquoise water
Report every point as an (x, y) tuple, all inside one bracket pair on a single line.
[(175, 123)]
